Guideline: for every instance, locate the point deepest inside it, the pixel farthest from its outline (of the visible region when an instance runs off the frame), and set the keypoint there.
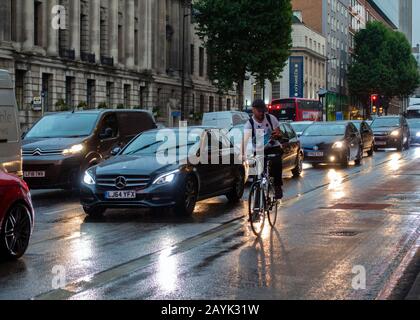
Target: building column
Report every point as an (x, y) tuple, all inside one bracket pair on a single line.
[(5, 23), (95, 28), (129, 33), (160, 52), (75, 28), (52, 49), (28, 25), (145, 34), (113, 29)]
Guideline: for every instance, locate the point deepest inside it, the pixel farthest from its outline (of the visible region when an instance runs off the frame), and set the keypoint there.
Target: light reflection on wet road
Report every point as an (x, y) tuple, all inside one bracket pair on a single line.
[(310, 254)]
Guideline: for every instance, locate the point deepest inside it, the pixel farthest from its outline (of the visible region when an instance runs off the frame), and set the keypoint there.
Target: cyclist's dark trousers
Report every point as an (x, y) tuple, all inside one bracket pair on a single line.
[(276, 169)]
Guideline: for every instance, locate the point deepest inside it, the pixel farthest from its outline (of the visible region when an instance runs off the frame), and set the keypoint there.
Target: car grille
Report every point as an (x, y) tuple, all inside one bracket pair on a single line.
[(130, 181), (40, 152)]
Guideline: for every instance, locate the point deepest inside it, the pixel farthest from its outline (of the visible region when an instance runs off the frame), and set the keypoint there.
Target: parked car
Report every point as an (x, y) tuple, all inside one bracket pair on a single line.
[(138, 176), (16, 216), (391, 132), (10, 137), (61, 146), (225, 119), (301, 126), (293, 153), (414, 125), (368, 139), (333, 143)]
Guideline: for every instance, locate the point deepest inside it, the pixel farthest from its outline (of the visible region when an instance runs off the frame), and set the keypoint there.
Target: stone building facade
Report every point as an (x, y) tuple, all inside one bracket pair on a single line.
[(105, 54)]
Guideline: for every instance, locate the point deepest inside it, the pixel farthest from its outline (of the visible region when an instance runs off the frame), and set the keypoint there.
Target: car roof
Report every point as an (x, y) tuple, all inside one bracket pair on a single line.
[(332, 123), (99, 111), (302, 122)]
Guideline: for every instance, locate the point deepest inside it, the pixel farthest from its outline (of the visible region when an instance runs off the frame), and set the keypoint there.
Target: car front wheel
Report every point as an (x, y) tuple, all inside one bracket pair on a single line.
[(188, 198), (16, 232)]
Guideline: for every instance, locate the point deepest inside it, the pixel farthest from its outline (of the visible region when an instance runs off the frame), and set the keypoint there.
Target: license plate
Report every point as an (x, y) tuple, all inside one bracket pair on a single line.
[(34, 174), (121, 195), (315, 154), (380, 143)]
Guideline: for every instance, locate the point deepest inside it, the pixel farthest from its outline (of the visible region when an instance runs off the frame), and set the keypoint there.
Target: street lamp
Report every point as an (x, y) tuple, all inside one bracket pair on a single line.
[(184, 4)]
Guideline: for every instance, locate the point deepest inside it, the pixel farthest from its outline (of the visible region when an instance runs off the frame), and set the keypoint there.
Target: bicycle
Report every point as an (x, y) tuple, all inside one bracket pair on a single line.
[(262, 200)]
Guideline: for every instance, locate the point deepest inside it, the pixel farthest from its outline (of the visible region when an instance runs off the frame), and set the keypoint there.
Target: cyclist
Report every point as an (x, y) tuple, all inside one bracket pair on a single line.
[(263, 122)]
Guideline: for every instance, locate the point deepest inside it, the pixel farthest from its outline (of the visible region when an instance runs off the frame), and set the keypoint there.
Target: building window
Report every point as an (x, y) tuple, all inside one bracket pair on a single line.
[(220, 103), (69, 92), (141, 97), (229, 104), (13, 33), (136, 47), (84, 33), (201, 103), (211, 104), (38, 23), (127, 96), (90, 93), (192, 57), (19, 88), (104, 33), (47, 91), (201, 62), (276, 90), (109, 89), (120, 44)]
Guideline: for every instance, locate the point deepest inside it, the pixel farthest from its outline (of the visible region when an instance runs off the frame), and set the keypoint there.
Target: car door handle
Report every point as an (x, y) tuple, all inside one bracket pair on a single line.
[(4, 140)]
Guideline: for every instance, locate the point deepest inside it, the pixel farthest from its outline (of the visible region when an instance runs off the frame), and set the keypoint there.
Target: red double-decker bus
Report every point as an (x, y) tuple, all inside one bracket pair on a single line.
[(296, 109)]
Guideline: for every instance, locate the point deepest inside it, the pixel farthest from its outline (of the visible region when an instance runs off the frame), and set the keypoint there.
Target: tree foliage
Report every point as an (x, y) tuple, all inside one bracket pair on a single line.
[(382, 64), (244, 36)]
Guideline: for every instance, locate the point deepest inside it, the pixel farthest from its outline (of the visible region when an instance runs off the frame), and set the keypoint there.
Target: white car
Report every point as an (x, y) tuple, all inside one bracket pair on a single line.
[(10, 137), (225, 119)]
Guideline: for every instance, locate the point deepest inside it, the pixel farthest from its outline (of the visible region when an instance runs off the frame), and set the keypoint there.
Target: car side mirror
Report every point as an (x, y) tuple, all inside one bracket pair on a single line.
[(107, 134), (115, 151), (24, 135)]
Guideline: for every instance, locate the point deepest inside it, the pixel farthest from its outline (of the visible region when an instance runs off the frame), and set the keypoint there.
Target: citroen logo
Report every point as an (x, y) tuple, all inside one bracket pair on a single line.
[(37, 152), (120, 183)]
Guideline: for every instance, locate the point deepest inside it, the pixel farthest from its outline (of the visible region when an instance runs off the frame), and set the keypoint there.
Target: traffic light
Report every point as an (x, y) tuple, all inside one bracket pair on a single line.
[(373, 103)]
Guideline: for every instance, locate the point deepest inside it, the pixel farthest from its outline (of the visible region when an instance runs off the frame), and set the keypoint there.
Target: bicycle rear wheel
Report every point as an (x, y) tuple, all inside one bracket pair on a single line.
[(256, 206), (273, 206)]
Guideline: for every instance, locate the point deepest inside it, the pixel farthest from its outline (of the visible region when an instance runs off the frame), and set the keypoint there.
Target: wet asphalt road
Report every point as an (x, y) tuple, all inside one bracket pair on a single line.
[(332, 221)]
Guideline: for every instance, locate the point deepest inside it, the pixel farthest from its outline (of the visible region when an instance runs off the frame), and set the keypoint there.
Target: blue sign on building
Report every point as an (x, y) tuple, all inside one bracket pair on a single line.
[(296, 77)]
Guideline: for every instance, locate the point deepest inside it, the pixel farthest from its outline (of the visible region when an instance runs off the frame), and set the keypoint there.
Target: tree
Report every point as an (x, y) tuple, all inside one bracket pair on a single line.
[(382, 64), (244, 36)]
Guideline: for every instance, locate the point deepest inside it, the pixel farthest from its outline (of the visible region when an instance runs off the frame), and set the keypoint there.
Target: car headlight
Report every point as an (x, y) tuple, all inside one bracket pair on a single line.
[(76, 149), (88, 179), (338, 145), (166, 178), (395, 133), (418, 134)]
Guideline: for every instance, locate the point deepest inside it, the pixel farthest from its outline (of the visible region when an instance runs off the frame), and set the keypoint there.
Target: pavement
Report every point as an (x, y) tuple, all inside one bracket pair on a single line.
[(341, 234)]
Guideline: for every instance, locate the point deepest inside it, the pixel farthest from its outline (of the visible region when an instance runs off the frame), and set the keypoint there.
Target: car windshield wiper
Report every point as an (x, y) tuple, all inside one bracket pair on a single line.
[(144, 148)]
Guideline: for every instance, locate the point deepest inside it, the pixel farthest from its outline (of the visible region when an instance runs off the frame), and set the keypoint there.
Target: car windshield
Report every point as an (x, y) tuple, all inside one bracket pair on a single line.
[(151, 143), (64, 126), (325, 130), (386, 122), (358, 125), (414, 123), (300, 127)]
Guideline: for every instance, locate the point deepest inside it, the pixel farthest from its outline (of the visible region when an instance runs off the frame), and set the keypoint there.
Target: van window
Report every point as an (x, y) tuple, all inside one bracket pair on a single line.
[(110, 121), (8, 124), (133, 123)]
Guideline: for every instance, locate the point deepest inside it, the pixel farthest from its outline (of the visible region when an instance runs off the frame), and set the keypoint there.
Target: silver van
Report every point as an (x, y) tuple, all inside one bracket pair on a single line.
[(10, 138)]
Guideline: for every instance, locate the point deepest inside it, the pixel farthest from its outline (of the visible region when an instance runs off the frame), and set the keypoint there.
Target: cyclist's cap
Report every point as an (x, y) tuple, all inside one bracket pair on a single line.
[(259, 105)]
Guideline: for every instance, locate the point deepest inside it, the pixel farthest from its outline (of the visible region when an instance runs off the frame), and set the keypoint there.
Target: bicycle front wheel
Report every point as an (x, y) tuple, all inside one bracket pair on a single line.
[(256, 205), (273, 206)]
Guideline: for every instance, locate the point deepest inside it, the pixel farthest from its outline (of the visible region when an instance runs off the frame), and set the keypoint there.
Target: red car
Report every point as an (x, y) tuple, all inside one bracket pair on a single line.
[(16, 216)]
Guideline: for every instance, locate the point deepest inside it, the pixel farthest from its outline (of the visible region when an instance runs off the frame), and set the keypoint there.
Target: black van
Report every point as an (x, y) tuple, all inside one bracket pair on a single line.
[(61, 146)]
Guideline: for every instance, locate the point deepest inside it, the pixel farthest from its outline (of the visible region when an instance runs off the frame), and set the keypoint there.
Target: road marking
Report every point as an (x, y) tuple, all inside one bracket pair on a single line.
[(50, 213), (117, 272)]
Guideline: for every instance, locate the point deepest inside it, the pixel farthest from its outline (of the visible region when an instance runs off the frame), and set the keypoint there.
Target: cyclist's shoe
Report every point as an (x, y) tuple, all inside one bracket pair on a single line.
[(279, 193)]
